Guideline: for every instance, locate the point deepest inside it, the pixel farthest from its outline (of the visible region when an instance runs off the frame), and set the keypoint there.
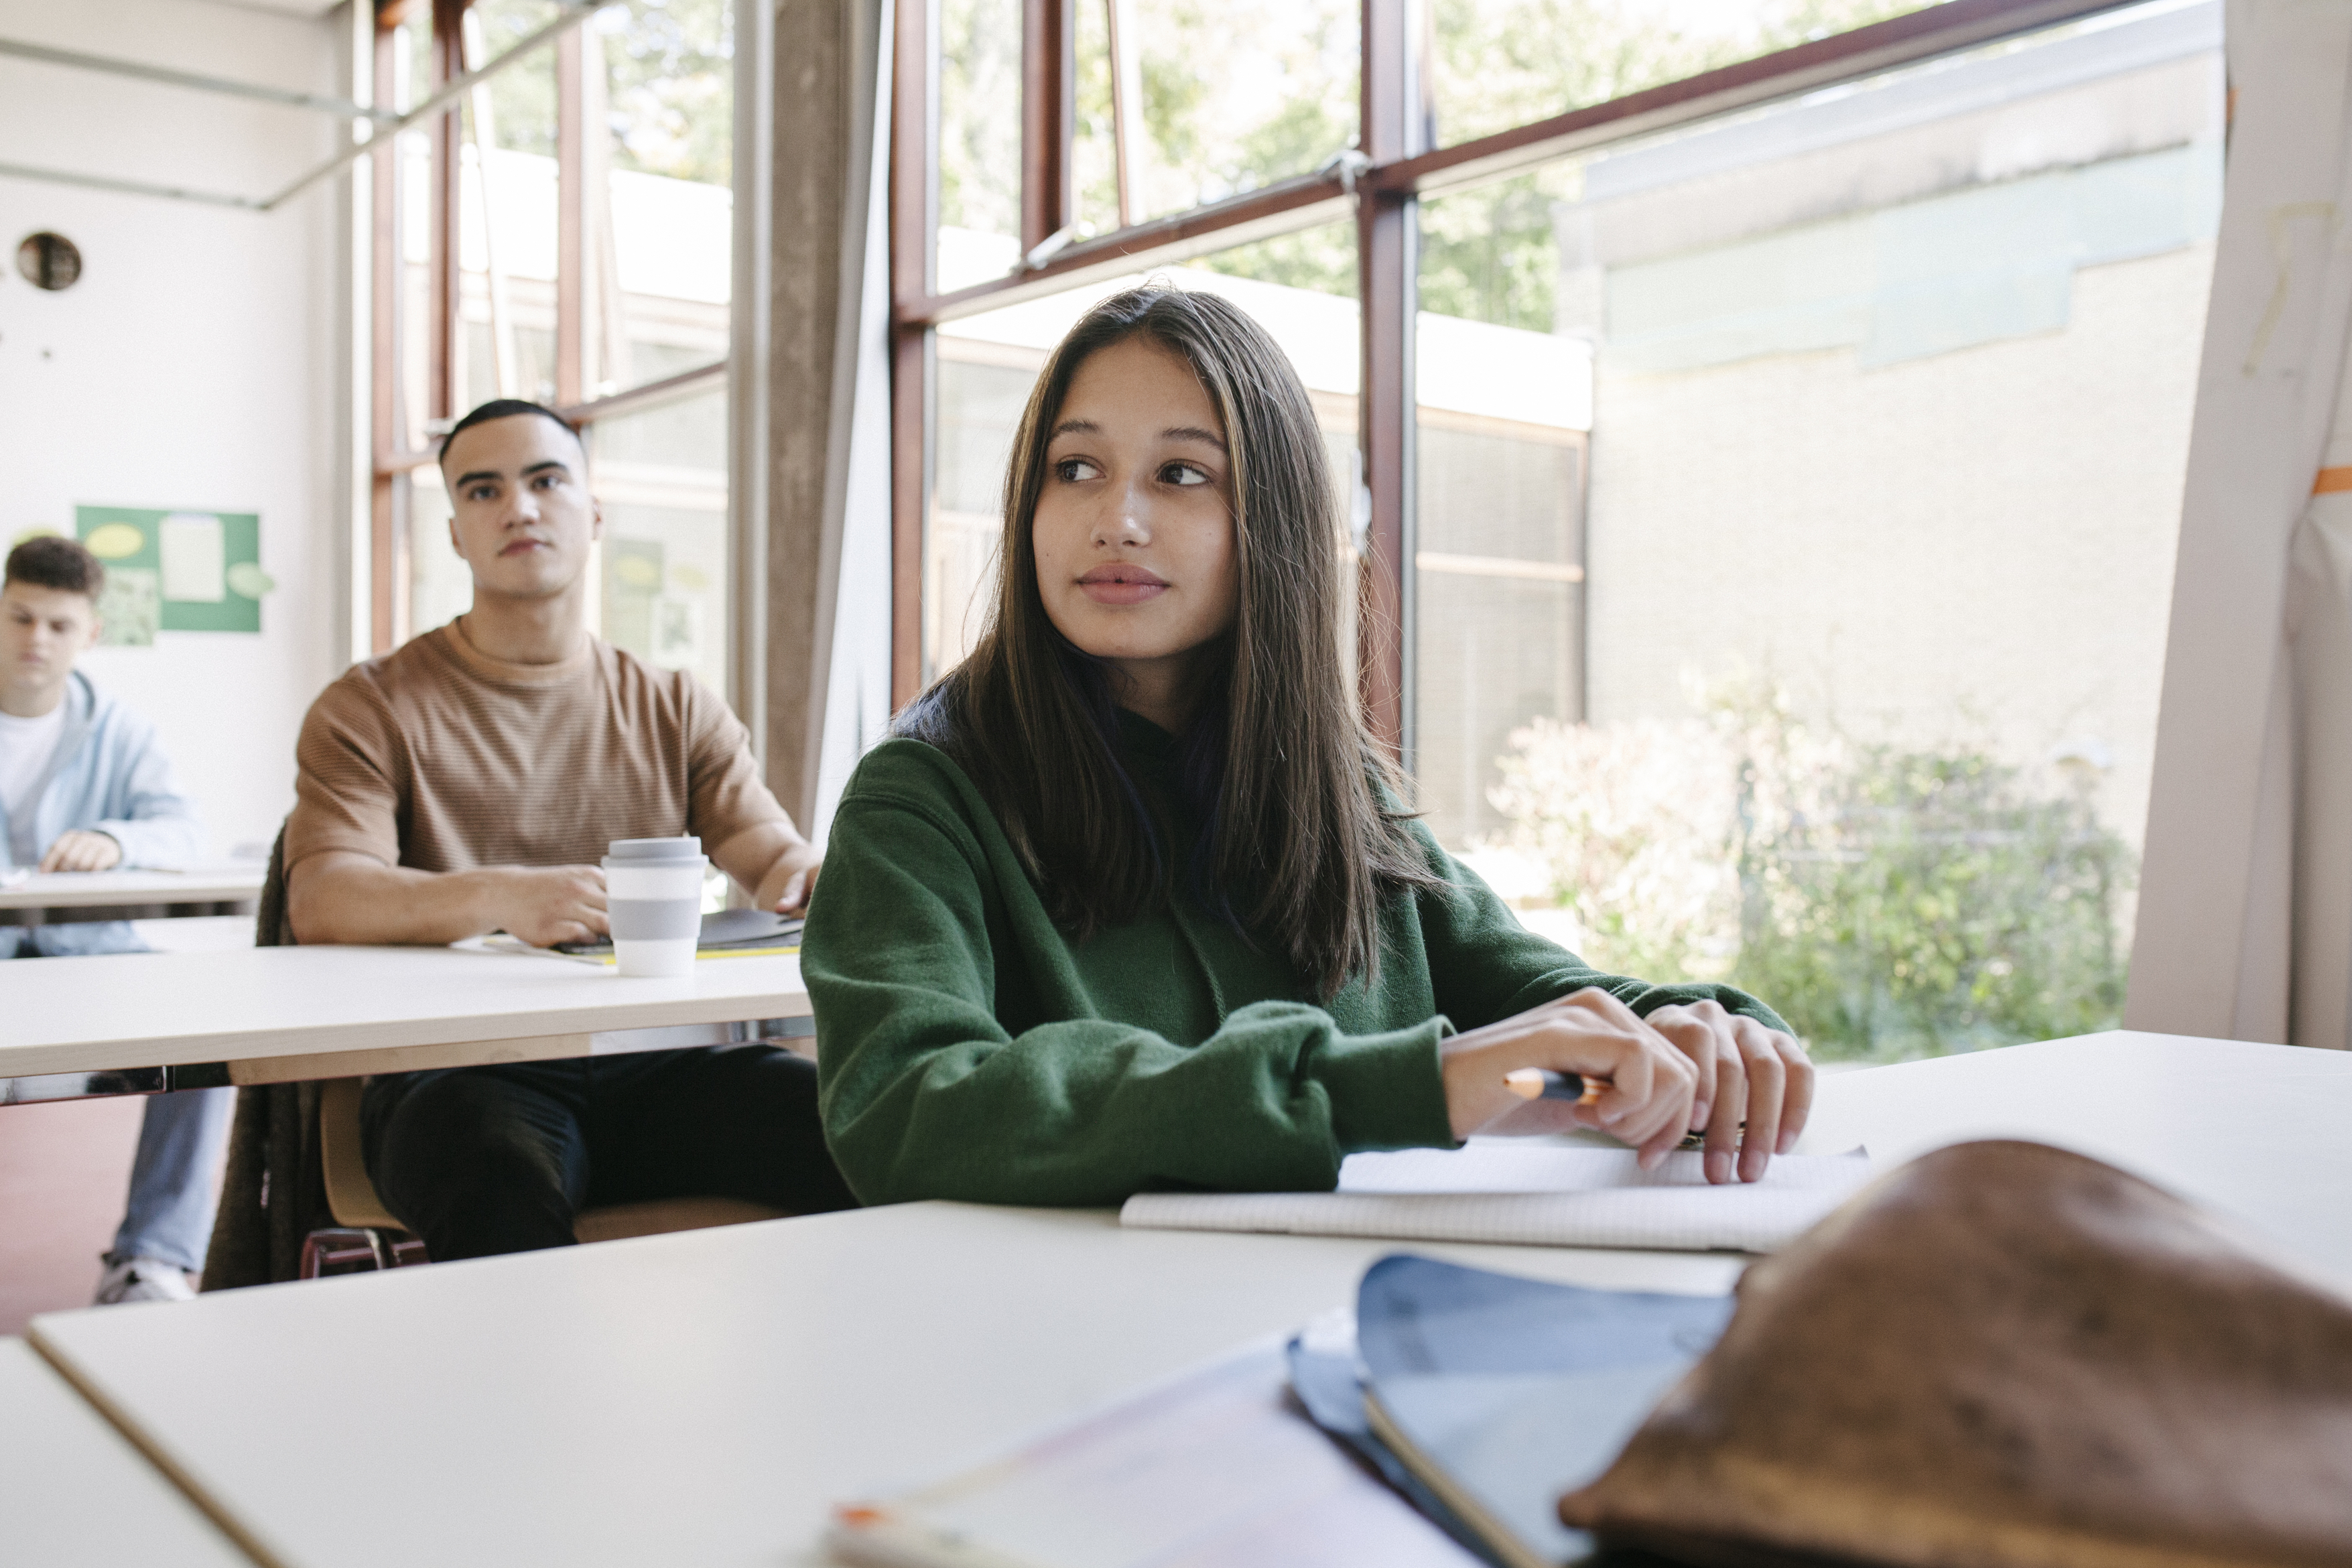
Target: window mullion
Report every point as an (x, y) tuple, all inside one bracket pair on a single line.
[(913, 153), (1049, 100), (571, 130), (1385, 264), (448, 64), (387, 431)]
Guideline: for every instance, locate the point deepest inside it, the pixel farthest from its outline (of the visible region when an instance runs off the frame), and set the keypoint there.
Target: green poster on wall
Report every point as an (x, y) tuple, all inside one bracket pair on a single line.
[(175, 571)]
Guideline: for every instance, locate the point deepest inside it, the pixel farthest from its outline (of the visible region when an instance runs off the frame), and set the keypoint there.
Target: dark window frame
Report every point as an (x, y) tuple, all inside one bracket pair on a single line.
[(398, 450), (1381, 195)]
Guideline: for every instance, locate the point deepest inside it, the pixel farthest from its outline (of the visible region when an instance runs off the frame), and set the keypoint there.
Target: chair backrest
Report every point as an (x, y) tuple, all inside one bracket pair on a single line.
[(272, 1150), (350, 1196), (271, 928)]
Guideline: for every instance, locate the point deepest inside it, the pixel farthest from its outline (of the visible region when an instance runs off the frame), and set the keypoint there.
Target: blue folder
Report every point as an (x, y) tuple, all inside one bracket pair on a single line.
[(1483, 1397)]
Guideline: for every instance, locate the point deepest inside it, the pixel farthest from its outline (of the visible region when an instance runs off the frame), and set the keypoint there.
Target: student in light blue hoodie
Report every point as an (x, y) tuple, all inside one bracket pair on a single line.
[(85, 787)]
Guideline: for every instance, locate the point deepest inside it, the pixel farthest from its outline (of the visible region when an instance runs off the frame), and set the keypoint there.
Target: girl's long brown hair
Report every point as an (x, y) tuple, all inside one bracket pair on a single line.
[(1298, 849)]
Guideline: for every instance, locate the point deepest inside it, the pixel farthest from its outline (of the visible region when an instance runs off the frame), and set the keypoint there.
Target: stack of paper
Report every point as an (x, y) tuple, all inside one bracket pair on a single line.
[(1212, 1469), (1533, 1193)]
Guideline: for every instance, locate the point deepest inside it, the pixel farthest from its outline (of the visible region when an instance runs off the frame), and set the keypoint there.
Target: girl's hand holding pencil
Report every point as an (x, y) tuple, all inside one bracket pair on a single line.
[(1751, 1088), (1643, 1089)]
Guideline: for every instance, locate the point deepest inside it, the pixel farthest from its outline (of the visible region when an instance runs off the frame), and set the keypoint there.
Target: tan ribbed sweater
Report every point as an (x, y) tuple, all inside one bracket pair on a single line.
[(438, 757)]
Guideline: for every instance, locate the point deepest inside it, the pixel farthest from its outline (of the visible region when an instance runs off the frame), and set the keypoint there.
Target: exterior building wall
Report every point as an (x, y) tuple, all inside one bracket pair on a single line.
[(1976, 545)]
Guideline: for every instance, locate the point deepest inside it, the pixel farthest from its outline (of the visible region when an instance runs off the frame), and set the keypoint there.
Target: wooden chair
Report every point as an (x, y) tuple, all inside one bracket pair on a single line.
[(366, 1236)]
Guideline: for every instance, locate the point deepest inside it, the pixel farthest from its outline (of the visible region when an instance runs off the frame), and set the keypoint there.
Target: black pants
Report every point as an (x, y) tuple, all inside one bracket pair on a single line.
[(480, 1161)]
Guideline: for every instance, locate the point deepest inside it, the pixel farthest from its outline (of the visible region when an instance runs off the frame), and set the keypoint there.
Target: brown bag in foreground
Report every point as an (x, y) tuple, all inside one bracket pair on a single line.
[(2003, 1355)]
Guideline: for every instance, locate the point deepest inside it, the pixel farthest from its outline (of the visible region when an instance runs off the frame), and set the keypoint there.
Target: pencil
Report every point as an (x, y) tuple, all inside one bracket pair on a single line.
[(1536, 1083)]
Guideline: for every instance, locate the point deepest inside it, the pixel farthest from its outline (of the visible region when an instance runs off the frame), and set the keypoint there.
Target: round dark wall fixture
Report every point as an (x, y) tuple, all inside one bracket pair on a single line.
[(49, 260)]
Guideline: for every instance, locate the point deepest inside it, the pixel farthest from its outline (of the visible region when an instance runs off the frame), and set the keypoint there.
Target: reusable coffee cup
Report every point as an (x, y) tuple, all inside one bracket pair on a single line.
[(652, 894)]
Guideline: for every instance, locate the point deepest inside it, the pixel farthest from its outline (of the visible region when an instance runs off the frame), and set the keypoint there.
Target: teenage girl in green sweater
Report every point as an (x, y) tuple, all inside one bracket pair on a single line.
[(1130, 903)]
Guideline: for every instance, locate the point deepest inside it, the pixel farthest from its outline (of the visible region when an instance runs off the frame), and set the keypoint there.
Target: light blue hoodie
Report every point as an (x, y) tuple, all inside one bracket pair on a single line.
[(109, 775)]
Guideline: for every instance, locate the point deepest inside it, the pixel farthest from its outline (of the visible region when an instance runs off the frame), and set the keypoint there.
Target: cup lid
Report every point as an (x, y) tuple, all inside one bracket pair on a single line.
[(653, 851)]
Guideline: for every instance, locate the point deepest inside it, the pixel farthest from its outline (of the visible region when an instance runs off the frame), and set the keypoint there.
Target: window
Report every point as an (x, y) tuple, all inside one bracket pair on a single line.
[(978, 171), (1497, 64), (1765, 423), (660, 477), (1171, 106), (1201, 101), (660, 79), (1887, 394), (565, 236), (507, 210)]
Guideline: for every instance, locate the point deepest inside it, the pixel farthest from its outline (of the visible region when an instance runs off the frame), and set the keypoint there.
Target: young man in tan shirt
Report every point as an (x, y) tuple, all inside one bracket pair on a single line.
[(468, 782)]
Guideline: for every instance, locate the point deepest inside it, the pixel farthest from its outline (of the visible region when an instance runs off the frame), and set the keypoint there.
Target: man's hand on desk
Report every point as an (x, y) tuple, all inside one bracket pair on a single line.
[(547, 905), (80, 850), (341, 896), (788, 882), (775, 862)]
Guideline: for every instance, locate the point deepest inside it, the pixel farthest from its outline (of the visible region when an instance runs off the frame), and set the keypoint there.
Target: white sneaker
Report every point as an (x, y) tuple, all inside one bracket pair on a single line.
[(143, 1279)]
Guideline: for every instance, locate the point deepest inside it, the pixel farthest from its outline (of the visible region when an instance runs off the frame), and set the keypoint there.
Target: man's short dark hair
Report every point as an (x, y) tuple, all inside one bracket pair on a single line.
[(505, 408), (51, 561)]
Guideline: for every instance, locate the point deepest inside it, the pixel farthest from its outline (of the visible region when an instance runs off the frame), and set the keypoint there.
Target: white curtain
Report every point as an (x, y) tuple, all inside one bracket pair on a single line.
[(2245, 911), (2316, 752), (857, 699)]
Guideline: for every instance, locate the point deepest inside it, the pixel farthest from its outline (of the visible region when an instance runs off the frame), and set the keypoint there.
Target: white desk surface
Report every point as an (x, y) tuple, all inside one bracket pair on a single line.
[(163, 1009), (79, 1493), (704, 1397), (196, 933), (701, 1398), (84, 889), (2260, 1132)]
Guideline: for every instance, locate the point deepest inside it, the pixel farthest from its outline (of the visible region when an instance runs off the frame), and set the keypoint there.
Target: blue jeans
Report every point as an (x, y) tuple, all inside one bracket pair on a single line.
[(170, 1213)]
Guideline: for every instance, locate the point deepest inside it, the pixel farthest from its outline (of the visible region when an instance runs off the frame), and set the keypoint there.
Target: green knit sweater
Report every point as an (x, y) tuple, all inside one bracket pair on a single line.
[(970, 1049)]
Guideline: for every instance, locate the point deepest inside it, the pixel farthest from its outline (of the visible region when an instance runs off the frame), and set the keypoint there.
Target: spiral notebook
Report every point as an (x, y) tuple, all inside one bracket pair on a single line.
[(1523, 1192)]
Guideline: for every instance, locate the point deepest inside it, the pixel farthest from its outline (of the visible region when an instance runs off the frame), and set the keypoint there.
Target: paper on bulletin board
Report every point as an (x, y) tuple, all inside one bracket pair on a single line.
[(194, 547), (175, 571)]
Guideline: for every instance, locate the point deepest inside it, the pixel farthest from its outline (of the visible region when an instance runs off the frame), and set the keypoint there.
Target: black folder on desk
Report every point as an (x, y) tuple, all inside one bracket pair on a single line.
[(728, 930)]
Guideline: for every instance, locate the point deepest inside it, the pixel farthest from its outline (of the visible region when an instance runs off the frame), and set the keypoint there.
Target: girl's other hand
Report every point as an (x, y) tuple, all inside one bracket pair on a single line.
[(1649, 1085), (1748, 1075)]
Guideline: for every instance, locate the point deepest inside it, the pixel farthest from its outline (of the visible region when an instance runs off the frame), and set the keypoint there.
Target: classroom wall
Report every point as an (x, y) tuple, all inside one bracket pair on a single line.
[(194, 364)]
